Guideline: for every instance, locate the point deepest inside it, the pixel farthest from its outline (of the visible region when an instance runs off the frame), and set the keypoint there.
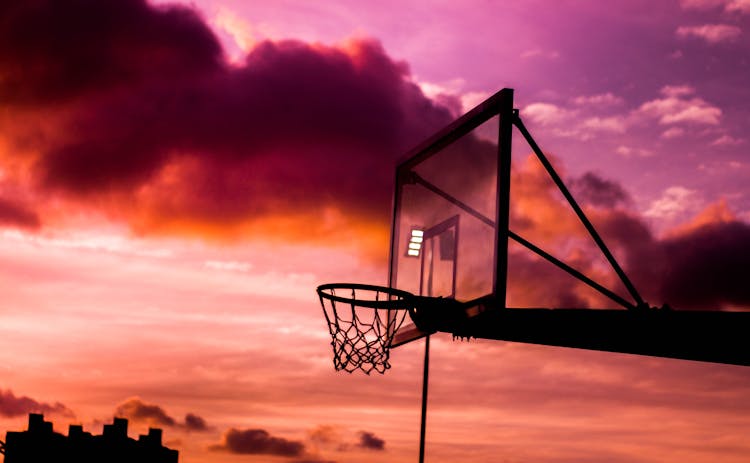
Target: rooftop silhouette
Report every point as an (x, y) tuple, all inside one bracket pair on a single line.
[(40, 444)]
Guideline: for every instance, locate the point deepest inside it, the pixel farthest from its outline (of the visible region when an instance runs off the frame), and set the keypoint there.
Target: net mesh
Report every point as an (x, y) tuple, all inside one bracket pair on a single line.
[(362, 320)]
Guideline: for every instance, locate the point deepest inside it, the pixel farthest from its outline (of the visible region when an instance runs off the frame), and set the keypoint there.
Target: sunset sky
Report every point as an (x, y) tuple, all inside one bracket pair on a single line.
[(177, 178)]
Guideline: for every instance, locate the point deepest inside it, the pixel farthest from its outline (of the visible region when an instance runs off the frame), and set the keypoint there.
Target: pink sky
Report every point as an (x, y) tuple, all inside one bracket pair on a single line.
[(176, 181)]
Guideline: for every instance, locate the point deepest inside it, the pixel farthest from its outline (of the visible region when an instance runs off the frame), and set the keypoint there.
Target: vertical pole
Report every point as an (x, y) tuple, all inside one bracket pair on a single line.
[(504, 145), (425, 374), (429, 254)]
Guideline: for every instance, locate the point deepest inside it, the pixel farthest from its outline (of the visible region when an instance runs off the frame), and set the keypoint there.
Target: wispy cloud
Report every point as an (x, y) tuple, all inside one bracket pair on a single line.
[(228, 265), (602, 99), (12, 405), (711, 33), (742, 6)]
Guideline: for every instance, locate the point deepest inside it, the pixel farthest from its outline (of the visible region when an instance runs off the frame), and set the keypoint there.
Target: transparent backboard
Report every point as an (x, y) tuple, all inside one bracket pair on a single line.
[(444, 235)]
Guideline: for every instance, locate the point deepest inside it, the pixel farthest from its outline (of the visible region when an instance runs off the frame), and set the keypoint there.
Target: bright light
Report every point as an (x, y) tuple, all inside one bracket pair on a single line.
[(415, 242)]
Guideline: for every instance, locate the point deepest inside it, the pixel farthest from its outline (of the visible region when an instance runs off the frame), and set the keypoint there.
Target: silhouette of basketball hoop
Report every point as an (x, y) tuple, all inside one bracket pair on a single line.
[(449, 254), (362, 320)]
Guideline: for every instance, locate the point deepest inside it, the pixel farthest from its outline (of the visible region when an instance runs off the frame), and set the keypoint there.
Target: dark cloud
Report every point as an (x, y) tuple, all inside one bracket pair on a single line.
[(708, 267), (258, 441), (195, 423), (137, 410), (53, 51), (14, 214), (534, 282), (592, 189), (12, 406), (295, 128), (370, 441), (702, 265)]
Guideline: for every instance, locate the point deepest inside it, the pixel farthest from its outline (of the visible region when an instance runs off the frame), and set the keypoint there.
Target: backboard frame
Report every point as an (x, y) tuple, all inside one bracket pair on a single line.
[(498, 105)]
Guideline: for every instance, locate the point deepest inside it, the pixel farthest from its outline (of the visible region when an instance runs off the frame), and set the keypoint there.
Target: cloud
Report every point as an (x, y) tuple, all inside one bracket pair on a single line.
[(12, 406), (628, 151), (325, 434), (238, 28), (677, 91), (672, 132), (370, 441), (578, 121), (708, 267), (674, 201), (195, 423), (592, 189), (659, 266), (539, 53), (741, 6), (258, 442), (14, 214), (53, 51), (614, 124), (600, 115), (677, 106), (137, 410), (160, 131), (727, 140), (546, 113), (602, 99), (231, 265), (711, 33)]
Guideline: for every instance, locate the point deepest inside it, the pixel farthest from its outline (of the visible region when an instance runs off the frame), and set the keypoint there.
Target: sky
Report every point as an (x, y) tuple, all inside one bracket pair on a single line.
[(177, 178)]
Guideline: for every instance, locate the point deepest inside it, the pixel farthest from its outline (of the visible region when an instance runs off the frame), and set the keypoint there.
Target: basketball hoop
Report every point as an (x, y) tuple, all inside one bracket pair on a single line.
[(362, 320)]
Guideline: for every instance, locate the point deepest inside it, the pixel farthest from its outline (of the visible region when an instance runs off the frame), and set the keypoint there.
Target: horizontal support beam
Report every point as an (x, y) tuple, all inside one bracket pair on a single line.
[(707, 336)]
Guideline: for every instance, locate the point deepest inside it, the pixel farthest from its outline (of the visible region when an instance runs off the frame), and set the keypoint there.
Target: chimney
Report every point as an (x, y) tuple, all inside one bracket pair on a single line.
[(118, 429), (154, 436), (75, 431), (37, 424)]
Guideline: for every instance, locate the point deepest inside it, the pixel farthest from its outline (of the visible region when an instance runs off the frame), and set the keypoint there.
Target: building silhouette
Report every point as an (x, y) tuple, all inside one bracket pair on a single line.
[(40, 444)]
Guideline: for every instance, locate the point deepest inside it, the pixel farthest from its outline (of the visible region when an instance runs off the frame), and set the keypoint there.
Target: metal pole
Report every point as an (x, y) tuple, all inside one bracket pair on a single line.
[(504, 144), (425, 375)]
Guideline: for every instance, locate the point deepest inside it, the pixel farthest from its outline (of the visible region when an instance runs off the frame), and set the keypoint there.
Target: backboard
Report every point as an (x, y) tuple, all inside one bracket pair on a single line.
[(449, 194)]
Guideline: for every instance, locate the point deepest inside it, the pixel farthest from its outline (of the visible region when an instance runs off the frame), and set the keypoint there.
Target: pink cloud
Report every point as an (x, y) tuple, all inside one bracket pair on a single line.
[(614, 124), (727, 140), (675, 200), (677, 91), (545, 113), (673, 132), (742, 6), (676, 108), (602, 99), (711, 33)]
